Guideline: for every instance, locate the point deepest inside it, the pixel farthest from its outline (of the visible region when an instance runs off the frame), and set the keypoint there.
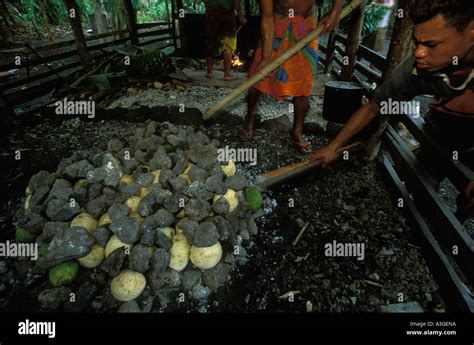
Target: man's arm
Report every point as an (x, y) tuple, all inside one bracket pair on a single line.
[(238, 8), (268, 32), (331, 21), (361, 118)]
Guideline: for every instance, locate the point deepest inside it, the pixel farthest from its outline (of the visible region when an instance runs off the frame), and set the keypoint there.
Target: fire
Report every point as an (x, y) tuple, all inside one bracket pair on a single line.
[(236, 61)]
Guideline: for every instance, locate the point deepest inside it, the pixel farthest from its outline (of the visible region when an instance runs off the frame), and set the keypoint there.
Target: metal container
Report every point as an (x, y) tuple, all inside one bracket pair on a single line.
[(341, 100)]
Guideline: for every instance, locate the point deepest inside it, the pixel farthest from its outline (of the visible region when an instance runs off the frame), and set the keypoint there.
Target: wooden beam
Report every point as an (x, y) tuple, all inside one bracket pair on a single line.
[(355, 29)]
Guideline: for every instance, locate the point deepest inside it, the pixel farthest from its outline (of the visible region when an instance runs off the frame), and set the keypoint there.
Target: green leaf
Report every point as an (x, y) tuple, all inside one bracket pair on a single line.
[(101, 82), (127, 49)]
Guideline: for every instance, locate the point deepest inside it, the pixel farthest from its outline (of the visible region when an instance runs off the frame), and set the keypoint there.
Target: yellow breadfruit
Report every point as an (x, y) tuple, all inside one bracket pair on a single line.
[(232, 198), (229, 169), (132, 203), (94, 258), (185, 175), (206, 257), (136, 215), (179, 252), (127, 285), (80, 182), (127, 179), (104, 219), (114, 243), (143, 191), (86, 221), (156, 175)]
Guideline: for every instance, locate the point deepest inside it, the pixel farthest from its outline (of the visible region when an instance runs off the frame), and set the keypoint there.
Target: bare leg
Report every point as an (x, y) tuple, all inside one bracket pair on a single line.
[(227, 66), (210, 64), (249, 121), (301, 105)]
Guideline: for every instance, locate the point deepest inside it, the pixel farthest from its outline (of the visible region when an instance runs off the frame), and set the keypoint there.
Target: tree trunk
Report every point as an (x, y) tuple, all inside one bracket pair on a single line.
[(330, 51), (131, 21), (352, 44), (182, 32), (76, 27), (400, 45), (248, 8), (102, 26)]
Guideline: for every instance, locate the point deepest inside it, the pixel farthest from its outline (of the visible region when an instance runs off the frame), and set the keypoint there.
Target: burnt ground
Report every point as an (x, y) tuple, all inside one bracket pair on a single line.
[(349, 202)]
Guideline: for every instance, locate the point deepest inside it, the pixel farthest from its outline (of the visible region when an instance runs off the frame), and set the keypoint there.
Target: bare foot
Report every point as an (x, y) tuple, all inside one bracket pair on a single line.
[(300, 142), (229, 77), (247, 132)]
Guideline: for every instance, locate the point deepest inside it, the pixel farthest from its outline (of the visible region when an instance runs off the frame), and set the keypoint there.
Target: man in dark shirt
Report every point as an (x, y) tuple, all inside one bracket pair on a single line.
[(442, 65)]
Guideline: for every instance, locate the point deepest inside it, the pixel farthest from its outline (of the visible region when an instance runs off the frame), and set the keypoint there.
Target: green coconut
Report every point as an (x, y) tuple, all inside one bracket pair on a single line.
[(254, 198), (64, 274), (23, 236)]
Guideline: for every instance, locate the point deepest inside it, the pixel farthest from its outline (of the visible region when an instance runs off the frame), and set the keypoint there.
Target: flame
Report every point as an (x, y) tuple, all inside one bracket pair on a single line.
[(236, 61)]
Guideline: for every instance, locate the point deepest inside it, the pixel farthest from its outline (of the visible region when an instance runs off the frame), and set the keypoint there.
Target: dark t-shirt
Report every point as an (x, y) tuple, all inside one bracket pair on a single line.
[(406, 82)]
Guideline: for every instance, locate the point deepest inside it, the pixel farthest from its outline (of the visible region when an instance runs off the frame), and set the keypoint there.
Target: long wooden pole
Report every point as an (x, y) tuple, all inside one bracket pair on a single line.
[(275, 63), (352, 43)]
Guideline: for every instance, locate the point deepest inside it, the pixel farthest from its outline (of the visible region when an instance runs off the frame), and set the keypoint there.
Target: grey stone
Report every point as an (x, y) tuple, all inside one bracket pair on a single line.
[(61, 190), (129, 307), (159, 263), (96, 175), (33, 223), (174, 278), (409, 307), (198, 190), (161, 195), (215, 184), (114, 145), (78, 170), (117, 211), (102, 236), (200, 292), (39, 179), (173, 202), (161, 219), (237, 182), (144, 208), (221, 206), (205, 156), (216, 276), (165, 176), (3, 267), (127, 229), (253, 228), (150, 129), (112, 264), (188, 227), (140, 258), (196, 173), (206, 235), (224, 227), (129, 165), (52, 299), (190, 278), (162, 240), (197, 139), (175, 140), (39, 195), (52, 229), (149, 236), (98, 206), (178, 184), (79, 193), (197, 209), (179, 167), (70, 244), (145, 179), (83, 299), (113, 170), (61, 211), (130, 189), (160, 160), (95, 190)]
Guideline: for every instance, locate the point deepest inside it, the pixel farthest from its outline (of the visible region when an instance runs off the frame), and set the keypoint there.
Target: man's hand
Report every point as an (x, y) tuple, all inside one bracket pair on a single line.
[(264, 62), (330, 22), (469, 200), (327, 155), (242, 20)]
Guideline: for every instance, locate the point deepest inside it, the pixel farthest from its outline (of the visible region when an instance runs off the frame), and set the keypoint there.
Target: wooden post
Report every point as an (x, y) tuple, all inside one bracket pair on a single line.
[(400, 48), (330, 51), (76, 26), (131, 21), (400, 45), (183, 39), (352, 44), (102, 26)]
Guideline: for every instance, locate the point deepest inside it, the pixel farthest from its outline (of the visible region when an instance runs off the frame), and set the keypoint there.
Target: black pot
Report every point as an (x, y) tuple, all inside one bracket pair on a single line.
[(341, 100)]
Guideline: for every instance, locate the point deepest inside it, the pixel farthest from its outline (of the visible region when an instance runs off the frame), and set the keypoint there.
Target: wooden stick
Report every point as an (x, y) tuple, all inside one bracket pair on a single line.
[(275, 63), (303, 229), (283, 174)]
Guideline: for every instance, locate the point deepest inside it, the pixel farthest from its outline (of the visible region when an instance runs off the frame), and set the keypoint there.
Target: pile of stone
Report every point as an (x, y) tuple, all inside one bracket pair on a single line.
[(151, 212)]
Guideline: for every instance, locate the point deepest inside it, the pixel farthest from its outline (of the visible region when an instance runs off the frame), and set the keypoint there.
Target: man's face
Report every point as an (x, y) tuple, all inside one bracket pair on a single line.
[(437, 44)]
